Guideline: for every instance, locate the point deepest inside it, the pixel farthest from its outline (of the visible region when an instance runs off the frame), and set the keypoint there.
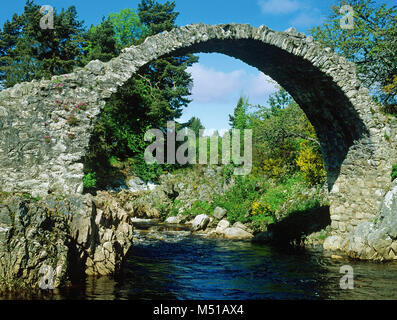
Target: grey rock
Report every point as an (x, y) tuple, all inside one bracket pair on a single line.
[(173, 220), (219, 213), (200, 222), (332, 243), (69, 236), (222, 226), (292, 31), (236, 234)]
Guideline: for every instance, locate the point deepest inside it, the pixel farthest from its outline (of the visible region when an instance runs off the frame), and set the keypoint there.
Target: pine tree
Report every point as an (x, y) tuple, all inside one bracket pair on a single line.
[(29, 52), (240, 118), (100, 42)]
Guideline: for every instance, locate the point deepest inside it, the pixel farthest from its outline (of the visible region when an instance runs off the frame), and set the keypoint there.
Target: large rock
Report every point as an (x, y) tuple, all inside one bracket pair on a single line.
[(236, 234), (241, 225), (33, 239), (173, 220), (60, 238), (200, 222), (332, 243), (222, 225), (219, 213)]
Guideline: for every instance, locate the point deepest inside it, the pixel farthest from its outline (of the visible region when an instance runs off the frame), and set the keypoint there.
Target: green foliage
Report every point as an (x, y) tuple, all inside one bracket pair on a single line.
[(157, 17), (371, 44), (147, 172), (280, 192), (195, 125), (279, 101), (100, 42), (90, 180), (240, 118), (238, 200), (114, 162), (28, 52), (127, 27), (279, 134), (155, 95), (201, 207), (394, 172)]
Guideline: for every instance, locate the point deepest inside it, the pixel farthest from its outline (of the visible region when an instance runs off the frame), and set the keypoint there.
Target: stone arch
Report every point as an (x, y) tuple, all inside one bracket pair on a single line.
[(41, 153)]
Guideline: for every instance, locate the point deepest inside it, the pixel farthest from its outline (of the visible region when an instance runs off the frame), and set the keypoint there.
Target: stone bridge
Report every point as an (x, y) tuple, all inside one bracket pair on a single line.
[(42, 152)]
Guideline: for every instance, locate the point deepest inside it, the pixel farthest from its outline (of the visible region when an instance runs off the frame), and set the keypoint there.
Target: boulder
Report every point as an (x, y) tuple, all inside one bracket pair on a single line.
[(200, 222), (236, 234), (60, 239), (222, 225), (241, 225), (332, 243), (173, 220), (263, 237), (219, 213)]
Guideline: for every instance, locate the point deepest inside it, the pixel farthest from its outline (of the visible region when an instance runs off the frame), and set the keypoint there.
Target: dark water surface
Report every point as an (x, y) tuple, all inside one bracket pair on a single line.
[(171, 264), (176, 265)]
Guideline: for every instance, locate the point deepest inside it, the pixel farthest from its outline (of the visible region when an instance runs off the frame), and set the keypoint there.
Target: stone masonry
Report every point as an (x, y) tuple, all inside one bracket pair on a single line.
[(45, 126)]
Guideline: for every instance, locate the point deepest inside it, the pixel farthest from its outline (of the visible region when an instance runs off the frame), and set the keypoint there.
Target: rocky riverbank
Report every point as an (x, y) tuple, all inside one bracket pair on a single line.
[(49, 242), (52, 241)]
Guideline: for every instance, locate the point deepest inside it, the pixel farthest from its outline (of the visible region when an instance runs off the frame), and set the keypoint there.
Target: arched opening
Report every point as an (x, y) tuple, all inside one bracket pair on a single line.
[(322, 83), (330, 95)]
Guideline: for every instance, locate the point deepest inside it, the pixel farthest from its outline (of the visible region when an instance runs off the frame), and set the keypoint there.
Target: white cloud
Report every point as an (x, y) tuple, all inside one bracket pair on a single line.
[(211, 85), (261, 85), (304, 15), (279, 6), (306, 19), (214, 86)]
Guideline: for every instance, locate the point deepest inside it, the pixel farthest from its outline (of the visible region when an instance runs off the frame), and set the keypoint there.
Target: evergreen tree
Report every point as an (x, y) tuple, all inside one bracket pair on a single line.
[(29, 52), (195, 125), (157, 17), (100, 42), (240, 118)]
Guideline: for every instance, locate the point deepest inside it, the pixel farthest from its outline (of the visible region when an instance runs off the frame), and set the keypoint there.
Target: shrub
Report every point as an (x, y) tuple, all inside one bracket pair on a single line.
[(90, 180), (201, 207), (238, 200), (274, 167), (262, 212), (147, 172), (311, 164)]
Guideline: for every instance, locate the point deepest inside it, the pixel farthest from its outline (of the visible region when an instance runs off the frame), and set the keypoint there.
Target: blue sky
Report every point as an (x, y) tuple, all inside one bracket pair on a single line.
[(218, 80)]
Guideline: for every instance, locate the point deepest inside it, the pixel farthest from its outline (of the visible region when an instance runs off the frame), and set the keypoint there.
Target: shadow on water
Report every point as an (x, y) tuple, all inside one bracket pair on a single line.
[(299, 224)]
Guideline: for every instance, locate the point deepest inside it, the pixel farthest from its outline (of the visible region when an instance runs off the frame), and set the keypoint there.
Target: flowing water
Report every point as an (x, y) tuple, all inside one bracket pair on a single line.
[(170, 263)]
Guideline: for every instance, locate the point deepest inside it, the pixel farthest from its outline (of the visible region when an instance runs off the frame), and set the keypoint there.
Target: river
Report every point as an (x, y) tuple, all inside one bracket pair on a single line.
[(170, 263)]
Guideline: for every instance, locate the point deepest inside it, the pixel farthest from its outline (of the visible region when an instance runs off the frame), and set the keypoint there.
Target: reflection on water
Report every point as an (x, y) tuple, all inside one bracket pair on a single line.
[(176, 265)]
